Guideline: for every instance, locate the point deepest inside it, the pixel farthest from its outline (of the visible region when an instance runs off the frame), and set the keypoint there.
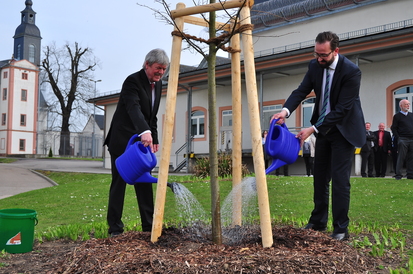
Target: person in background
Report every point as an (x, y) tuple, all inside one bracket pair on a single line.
[(367, 153), (308, 154), (402, 128), (394, 153), (338, 123), (383, 147), (135, 114), (264, 138), (285, 171)]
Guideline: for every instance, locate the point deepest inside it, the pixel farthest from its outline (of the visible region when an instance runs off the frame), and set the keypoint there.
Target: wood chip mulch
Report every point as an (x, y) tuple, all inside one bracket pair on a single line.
[(294, 251)]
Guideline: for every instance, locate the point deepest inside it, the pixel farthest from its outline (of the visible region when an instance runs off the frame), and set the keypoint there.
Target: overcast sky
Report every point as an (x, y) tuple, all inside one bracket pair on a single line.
[(119, 32)]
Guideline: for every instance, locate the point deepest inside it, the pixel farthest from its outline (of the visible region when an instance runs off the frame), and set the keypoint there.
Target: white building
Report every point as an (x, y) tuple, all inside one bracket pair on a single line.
[(377, 35), (19, 87)]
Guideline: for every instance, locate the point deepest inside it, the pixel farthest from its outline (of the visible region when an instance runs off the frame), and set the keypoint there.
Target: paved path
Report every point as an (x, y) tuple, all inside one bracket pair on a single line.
[(19, 177)]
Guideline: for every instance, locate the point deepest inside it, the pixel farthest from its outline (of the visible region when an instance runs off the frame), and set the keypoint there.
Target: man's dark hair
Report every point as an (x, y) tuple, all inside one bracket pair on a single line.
[(328, 36)]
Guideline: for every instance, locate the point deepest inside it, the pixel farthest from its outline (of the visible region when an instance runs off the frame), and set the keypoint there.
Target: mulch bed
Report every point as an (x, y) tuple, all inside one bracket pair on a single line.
[(294, 251)]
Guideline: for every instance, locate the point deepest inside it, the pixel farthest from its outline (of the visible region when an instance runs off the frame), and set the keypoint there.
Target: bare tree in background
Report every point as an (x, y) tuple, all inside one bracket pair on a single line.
[(68, 71), (208, 48)]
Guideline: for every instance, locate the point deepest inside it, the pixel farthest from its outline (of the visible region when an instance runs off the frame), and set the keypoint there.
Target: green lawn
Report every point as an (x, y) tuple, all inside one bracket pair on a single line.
[(82, 199)]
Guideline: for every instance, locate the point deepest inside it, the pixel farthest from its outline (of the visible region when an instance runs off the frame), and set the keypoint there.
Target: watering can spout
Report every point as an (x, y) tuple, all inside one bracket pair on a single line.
[(277, 163), (281, 145)]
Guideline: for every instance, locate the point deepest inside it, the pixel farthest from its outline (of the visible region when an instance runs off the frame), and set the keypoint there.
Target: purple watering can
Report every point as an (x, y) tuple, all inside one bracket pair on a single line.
[(136, 163), (281, 145)]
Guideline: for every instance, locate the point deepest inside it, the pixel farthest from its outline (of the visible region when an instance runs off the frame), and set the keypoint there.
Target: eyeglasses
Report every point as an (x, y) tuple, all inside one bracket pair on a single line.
[(322, 55)]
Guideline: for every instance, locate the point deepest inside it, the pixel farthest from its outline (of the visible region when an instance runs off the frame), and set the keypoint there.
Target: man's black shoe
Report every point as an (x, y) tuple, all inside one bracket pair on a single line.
[(398, 177), (114, 234), (340, 236), (315, 227)]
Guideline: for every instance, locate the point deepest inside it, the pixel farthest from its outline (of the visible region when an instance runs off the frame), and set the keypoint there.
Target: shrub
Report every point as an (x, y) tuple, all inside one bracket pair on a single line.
[(50, 153), (202, 166)]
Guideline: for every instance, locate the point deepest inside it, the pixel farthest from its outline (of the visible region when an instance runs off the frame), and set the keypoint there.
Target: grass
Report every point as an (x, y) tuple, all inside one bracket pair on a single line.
[(81, 199)]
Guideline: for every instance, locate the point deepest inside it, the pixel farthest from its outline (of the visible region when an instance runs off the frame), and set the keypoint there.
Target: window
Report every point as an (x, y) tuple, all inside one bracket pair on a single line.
[(23, 119), (31, 53), (24, 95), (25, 76), (308, 106), (268, 112), (198, 124), (19, 49), (5, 74), (4, 94), (400, 94), (3, 119), (22, 145), (227, 118)]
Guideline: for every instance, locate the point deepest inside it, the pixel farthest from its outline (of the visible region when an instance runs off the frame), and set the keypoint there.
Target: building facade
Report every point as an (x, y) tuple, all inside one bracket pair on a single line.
[(377, 35)]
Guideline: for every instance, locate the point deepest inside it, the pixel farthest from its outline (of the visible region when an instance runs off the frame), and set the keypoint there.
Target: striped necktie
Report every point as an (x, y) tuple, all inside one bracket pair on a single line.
[(153, 93), (325, 100)]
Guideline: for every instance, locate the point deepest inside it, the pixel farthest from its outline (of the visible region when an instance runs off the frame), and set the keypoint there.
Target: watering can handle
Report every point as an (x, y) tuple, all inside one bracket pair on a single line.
[(132, 140), (275, 121)]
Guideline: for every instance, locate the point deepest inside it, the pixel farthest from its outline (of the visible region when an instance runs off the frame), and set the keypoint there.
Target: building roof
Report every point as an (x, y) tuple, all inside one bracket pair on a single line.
[(275, 13), (100, 121)]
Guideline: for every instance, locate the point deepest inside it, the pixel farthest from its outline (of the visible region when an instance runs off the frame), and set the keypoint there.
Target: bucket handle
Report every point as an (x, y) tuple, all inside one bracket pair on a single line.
[(36, 221)]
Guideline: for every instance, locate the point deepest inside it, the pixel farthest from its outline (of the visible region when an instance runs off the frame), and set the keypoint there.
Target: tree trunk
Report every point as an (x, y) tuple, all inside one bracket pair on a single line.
[(213, 155)]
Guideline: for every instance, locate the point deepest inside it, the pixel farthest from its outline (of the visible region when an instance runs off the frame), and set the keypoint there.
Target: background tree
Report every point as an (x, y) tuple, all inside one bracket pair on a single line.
[(68, 71)]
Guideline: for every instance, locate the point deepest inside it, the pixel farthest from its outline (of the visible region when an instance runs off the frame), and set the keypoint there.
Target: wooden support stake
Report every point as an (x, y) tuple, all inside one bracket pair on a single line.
[(259, 168), (167, 129), (236, 131), (207, 8)]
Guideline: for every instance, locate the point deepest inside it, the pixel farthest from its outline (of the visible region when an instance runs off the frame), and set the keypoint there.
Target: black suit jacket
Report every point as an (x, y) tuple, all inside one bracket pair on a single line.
[(134, 113), (386, 141), (370, 137), (346, 112)]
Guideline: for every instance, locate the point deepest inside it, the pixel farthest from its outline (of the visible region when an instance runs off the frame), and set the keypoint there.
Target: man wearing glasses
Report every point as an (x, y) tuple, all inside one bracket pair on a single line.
[(338, 124)]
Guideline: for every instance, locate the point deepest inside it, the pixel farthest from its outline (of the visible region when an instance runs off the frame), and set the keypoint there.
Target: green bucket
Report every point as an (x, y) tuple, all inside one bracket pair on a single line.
[(17, 230)]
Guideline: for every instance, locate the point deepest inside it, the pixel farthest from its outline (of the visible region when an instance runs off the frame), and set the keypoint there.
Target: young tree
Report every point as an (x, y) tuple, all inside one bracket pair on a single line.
[(214, 44), (68, 71)]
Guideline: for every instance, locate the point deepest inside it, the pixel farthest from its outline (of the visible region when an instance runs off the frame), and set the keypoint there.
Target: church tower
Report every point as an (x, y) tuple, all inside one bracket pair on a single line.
[(27, 39)]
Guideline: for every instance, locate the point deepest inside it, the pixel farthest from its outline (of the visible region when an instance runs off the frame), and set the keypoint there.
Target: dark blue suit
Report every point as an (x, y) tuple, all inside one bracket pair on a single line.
[(342, 130), (134, 114)]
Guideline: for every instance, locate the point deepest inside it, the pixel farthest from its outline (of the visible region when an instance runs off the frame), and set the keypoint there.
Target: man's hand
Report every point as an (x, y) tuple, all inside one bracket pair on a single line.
[(146, 140), (304, 134), (281, 116)]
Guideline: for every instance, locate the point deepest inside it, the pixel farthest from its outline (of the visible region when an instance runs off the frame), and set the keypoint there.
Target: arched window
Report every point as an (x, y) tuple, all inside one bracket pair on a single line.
[(18, 52), (307, 112), (400, 94), (198, 124), (227, 118), (32, 53)]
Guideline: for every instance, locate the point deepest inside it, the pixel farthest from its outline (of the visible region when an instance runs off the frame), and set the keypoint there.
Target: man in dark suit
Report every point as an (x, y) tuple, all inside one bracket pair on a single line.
[(367, 153), (383, 148), (338, 123), (135, 114), (402, 128)]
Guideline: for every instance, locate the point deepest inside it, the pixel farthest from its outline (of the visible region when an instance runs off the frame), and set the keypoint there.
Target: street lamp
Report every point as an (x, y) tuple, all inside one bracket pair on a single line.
[(94, 119)]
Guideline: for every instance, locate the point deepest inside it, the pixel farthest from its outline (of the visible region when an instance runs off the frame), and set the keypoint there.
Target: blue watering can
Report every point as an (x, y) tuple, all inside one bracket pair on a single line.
[(281, 145), (136, 163)]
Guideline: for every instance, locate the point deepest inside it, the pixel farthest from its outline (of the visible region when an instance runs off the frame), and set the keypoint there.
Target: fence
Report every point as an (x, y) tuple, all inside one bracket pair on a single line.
[(80, 144)]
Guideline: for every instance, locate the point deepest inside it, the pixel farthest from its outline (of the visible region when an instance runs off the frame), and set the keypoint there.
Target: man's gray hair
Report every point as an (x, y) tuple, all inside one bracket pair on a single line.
[(156, 56)]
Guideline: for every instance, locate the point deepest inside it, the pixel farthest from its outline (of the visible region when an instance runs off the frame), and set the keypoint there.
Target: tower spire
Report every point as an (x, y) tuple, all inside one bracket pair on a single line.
[(27, 39)]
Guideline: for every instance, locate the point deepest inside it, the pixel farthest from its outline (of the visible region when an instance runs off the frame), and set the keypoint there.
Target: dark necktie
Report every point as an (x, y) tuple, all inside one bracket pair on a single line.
[(325, 100)]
